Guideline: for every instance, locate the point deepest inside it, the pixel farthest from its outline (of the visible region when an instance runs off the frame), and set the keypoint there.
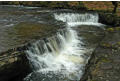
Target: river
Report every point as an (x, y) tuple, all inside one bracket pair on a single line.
[(61, 56)]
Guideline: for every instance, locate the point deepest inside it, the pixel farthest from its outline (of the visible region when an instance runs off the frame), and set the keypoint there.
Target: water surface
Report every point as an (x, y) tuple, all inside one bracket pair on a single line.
[(58, 56)]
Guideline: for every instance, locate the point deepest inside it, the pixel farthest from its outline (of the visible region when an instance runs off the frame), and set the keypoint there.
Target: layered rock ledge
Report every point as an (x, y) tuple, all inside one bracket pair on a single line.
[(14, 65), (105, 60)]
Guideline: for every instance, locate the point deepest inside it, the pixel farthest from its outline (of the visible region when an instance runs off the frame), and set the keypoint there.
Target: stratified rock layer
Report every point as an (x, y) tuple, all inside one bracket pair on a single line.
[(14, 66), (104, 63), (22, 33)]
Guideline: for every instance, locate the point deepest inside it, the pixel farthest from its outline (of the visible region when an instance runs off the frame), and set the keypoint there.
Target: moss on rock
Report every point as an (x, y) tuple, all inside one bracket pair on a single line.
[(113, 29)]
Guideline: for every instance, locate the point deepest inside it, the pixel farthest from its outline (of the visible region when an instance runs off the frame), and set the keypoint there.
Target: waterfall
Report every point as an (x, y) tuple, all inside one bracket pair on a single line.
[(57, 53), (62, 56), (78, 19)]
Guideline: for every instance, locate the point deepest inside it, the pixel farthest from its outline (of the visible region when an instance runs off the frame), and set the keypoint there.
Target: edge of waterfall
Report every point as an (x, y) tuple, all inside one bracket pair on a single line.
[(33, 51), (17, 57)]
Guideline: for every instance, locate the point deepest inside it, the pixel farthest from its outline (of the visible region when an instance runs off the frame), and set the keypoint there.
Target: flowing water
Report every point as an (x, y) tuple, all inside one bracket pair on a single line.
[(62, 57), (21, 24), (79, 19)]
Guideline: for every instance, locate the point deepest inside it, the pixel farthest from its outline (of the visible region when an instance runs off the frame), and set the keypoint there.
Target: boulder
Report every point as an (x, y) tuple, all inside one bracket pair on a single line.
[(109, 19), (14, 66)]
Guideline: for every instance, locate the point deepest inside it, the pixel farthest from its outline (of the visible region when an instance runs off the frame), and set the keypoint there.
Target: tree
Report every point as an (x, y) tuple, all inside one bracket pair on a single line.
[(115, 3)]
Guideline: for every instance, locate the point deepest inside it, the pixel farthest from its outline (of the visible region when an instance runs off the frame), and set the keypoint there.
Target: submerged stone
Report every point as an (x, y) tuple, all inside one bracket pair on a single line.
[(24, 32), (14, 65)]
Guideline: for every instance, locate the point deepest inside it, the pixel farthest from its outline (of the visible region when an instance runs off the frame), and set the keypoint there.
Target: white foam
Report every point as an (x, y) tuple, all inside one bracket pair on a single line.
[(84, 23), (74, 19), (66, 51)]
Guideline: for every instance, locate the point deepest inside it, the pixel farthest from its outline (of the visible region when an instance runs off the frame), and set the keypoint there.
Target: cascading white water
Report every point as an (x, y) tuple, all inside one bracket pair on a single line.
[(57, 53), (78, 19), (61, 54)]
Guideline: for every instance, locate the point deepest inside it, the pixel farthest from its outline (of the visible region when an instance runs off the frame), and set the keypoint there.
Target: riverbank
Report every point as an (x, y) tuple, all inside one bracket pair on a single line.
[(104, 62)]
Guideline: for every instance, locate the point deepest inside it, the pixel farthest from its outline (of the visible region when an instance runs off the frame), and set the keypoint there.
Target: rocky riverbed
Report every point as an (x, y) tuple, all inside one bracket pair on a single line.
[(19, 27), (13, 61), (104, 63)]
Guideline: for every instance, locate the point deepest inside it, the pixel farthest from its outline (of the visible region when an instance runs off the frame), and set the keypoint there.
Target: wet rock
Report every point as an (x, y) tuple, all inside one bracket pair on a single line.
[(116, 59), (24, 32), (101, 67), (106, 66), (109, 19), (111, 29), (13, 66), (106, 45)]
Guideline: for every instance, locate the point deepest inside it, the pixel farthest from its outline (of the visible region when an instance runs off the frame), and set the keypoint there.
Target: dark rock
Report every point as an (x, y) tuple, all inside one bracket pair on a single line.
[(14, 67), (109, 19)]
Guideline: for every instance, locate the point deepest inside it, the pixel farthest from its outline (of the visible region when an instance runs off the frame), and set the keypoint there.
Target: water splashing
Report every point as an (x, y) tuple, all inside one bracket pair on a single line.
[(60, 57), (73, 19)]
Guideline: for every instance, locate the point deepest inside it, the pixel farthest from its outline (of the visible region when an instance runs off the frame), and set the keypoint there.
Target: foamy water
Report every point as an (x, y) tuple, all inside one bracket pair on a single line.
[(62, 54)]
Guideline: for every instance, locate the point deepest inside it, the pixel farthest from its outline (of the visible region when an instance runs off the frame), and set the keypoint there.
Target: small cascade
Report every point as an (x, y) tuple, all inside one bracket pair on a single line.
[(78, 18), (62, 56), (42, 50), (57, 53)]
